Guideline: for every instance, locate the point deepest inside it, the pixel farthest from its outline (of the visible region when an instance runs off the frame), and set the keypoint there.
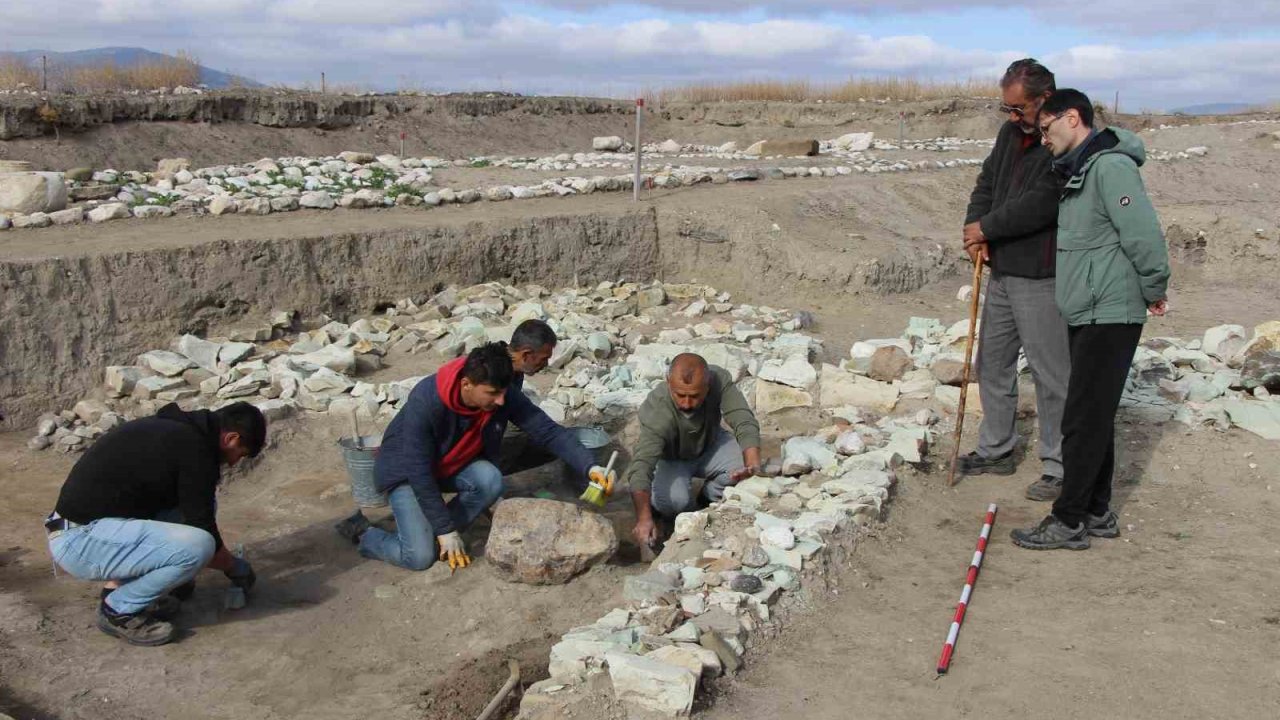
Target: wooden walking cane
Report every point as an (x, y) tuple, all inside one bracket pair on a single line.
[(968, 363)]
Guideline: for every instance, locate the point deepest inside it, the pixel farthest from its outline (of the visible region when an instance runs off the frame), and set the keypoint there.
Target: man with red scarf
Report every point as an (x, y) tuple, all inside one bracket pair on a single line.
[(447, 438)]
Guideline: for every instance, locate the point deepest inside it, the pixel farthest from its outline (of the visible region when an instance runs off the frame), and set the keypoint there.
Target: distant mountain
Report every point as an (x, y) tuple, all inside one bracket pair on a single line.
[(1215, 109), (123, 57)]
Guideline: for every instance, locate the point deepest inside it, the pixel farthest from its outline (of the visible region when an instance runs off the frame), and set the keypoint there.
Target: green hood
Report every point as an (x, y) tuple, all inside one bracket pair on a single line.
[(1108, 140)]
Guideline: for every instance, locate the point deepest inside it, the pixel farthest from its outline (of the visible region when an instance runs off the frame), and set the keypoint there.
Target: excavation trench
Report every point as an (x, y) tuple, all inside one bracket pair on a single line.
[(75, 301)]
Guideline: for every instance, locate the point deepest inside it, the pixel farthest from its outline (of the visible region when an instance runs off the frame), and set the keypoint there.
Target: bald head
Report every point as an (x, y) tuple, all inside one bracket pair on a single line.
[(688, 380)]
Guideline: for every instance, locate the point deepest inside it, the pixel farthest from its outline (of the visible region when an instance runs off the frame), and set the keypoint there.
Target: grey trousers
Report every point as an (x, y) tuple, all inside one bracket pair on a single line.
[(1021, 314), (672, 491)]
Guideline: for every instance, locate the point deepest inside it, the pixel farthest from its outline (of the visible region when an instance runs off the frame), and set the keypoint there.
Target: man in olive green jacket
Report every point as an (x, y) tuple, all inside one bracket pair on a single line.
[(681, 438), (1113, 267)]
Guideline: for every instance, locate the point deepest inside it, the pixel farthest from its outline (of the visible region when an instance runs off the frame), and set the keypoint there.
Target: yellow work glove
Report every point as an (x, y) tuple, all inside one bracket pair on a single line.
[(598, 476), (453, 550)]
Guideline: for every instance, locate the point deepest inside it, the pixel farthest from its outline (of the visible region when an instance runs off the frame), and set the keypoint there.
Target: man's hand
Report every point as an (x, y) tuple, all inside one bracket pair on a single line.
[(978, 253), (241, 574), (453, 550), (975, 242), (646, 531), (1159, 307), (597, 475), (750, 465), (973, 234)]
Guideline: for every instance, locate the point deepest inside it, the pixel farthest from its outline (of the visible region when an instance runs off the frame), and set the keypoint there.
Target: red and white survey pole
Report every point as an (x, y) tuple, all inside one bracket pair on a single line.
[(949, 647), (639, 121)]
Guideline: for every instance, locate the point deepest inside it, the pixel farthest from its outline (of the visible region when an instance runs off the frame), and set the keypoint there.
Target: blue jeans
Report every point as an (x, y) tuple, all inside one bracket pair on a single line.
[(413, 547), (151, 557)]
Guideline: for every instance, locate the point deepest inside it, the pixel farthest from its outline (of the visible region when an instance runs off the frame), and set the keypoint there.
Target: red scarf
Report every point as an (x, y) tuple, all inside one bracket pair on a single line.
[(471, 444)]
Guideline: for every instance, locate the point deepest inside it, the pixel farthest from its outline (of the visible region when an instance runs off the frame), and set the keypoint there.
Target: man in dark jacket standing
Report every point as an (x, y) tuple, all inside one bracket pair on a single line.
[(139, 509), (448, 438), (1113, 268), (1011, 221)]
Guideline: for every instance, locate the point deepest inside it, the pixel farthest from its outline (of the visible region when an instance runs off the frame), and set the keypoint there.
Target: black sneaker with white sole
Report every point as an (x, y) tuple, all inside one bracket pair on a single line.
[(975, 464)]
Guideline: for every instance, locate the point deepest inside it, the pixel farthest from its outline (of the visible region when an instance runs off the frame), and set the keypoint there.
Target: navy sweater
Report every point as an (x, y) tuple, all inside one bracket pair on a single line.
[(424, 430)]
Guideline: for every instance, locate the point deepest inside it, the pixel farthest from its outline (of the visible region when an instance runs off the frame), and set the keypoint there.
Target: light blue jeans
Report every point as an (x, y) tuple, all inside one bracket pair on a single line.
[(150, 557), (413, 547)]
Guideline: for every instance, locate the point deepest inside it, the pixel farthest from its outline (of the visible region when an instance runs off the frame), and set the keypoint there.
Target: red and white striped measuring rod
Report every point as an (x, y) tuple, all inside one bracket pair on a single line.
[(949, 647)]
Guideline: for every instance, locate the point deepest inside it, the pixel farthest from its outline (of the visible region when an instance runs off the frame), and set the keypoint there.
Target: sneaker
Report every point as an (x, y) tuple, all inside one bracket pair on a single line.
[(975, 464), (1046, 489), (1103, 526), (137, 629), (165, 607), (1052, 534), (352, 528)]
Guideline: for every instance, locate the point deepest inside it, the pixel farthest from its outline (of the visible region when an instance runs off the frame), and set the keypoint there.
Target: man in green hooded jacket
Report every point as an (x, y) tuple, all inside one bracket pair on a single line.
[(1113, 268)]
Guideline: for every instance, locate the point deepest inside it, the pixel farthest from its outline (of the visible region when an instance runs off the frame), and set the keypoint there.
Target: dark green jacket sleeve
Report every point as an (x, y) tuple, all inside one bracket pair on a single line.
[(1135, 220), (737, 414)]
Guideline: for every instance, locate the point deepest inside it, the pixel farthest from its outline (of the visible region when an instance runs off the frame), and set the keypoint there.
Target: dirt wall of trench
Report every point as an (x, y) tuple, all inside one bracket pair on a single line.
[(63, 319)]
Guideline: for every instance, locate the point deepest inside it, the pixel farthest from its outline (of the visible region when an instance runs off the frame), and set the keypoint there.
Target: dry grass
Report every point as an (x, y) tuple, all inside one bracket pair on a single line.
[(183, 69), (852, 90), (14, 72)]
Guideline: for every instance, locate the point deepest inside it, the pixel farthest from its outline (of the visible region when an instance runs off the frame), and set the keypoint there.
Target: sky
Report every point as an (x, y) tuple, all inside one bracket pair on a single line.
[(1158, 54)]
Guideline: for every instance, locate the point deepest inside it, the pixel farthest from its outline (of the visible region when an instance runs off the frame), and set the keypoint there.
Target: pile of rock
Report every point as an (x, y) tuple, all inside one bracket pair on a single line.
[(1225, 378), (725, 579)]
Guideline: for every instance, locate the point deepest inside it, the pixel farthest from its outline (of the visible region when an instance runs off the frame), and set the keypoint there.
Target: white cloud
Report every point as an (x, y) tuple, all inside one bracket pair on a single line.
[(467, 46), (1146, 16)]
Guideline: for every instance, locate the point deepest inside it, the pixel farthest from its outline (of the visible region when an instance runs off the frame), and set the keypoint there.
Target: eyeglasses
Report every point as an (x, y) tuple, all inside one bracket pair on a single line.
[(1015, 109), (1044, 129)]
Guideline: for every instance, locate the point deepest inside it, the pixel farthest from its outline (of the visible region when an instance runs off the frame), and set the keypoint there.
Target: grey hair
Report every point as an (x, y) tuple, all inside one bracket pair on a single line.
[(1036, 80)]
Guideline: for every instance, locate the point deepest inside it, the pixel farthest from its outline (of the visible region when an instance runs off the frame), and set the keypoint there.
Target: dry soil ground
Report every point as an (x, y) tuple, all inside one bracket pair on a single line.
[(1178, 618)]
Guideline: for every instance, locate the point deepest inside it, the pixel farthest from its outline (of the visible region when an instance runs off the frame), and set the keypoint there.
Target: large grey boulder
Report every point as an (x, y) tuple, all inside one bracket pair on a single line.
[(26, 193), (545, 542), (608, 143)]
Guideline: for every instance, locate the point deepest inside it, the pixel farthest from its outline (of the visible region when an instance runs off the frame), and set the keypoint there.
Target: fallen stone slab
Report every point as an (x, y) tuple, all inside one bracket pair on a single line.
[(607, 143), (1262, 418), (652, 685), (545, 542), (790, 148)]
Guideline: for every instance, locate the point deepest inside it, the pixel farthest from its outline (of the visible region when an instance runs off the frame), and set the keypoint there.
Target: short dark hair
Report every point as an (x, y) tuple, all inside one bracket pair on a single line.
[(688, 367), (532, 335), (489, 364), (1036, 80), (245, 420), (1069, 99)]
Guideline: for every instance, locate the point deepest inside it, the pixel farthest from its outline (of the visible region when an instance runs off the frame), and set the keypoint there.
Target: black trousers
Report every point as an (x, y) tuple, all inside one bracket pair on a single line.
[(1100, 360)]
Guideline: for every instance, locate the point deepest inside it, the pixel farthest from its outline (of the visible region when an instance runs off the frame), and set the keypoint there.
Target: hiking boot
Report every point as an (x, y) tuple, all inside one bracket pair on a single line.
[(1103, 526), (165, 607), (137, 629), (1046, 489), (352, 528), (1052, 534), (975, 464)]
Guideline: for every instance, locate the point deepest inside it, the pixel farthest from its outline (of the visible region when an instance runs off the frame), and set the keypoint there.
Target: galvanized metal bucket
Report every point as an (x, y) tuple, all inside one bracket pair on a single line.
[(360, 462)]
